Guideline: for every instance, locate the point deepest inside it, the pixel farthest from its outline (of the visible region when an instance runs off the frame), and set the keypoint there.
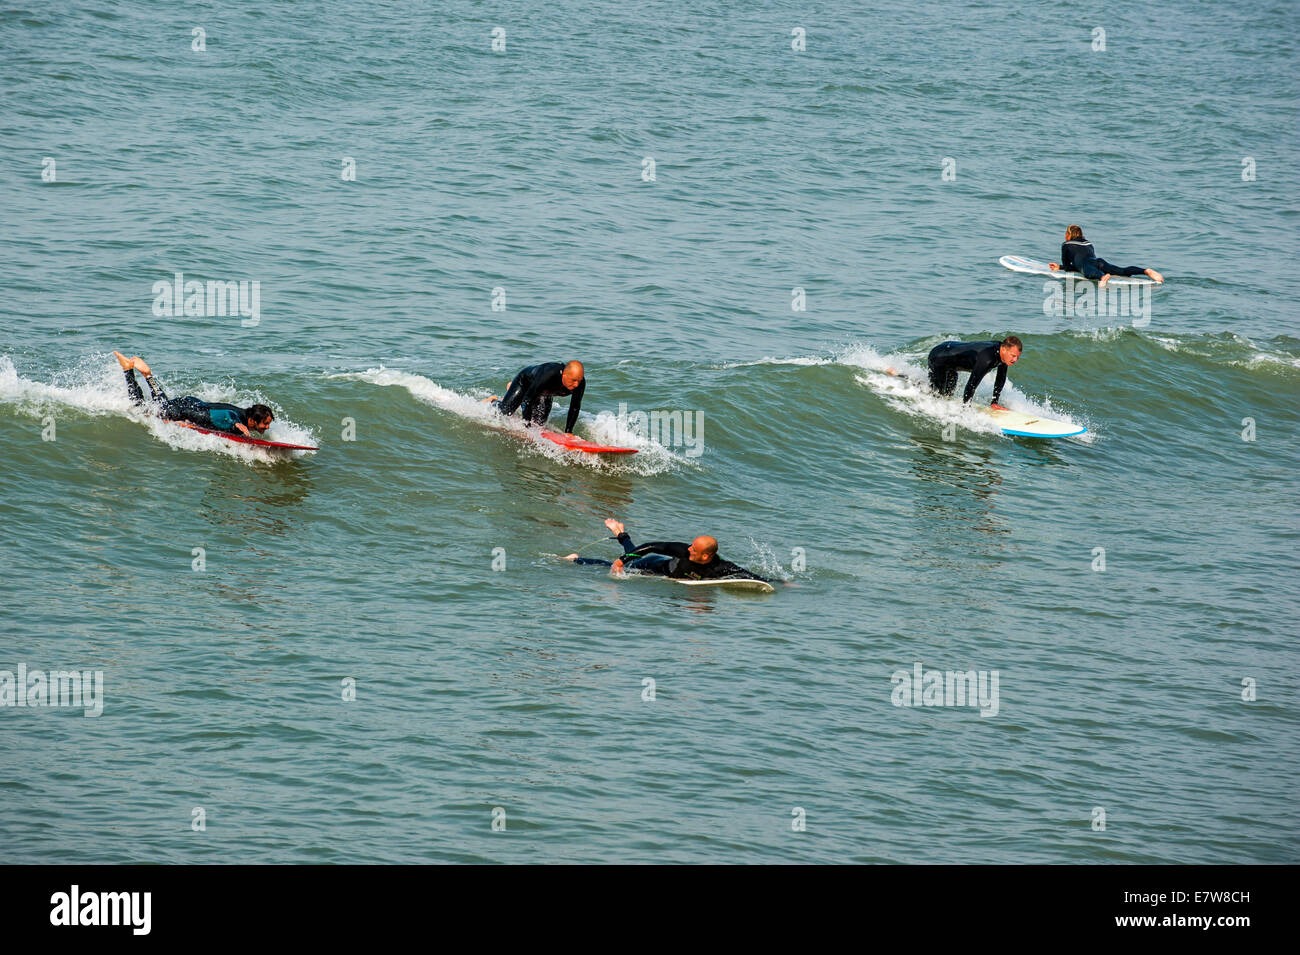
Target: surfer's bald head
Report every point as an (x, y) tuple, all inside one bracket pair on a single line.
[(573, 374), (703, 549)]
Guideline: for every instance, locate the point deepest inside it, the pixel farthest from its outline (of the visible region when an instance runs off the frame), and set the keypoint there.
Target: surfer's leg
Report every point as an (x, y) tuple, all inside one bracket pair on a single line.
[(189, 409), (1119, 270), (658, 564), (537, 411), (593, 560), (1091, 268), (133, 387)]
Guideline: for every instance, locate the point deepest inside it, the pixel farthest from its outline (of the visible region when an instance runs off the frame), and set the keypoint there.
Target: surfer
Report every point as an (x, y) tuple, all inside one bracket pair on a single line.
[(697, 560), (206, 414), (978, 358), (1078, 255), (536, 385)]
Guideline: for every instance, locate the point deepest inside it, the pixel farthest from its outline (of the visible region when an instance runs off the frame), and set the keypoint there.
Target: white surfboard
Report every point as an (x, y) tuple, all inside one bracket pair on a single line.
[(733, 583), (1033, 426), (1018, 263)]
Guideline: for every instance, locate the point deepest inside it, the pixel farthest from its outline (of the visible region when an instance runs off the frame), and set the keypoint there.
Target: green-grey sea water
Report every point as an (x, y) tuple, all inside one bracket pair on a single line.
[(416, 553)]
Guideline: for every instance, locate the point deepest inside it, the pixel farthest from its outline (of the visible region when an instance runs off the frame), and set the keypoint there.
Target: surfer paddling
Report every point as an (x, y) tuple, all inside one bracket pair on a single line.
[(978, 358), (206, 414), (533, 389), (697, 560), (1078, 255)]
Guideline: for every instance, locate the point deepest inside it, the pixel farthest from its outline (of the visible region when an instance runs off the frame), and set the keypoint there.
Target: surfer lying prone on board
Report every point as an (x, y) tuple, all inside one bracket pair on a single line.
[(535, 386), (1078, 255), (697, 560), (978, 358), (205, 414)]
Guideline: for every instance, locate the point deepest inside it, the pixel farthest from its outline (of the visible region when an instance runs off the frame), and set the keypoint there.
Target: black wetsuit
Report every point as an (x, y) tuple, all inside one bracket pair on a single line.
[(672, 559), (979, 358), (206, 414), (534, 387), (1077, 255)]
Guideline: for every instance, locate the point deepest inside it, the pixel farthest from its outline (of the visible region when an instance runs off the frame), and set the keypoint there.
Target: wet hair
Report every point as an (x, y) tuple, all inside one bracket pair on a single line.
[(1011, 341), (1073, 232), (258, 413)]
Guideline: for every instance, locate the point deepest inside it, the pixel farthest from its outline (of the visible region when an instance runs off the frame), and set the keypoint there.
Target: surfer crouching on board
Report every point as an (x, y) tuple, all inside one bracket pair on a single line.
[(1078, 255), (536, 385), (206, 414), (697, 560), (978, 358)]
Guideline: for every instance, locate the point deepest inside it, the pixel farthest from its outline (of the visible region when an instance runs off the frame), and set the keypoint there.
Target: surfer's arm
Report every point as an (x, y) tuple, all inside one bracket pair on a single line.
[(666, 548), (999, 381), (575, 402), (976, 376)]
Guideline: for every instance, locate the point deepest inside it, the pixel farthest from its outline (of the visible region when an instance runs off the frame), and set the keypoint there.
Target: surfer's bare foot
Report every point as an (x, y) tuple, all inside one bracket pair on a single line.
[(126, 363), (569, 557), (616, 567), (614, 526), (139, 365), (1104, 280), (1155, 276)]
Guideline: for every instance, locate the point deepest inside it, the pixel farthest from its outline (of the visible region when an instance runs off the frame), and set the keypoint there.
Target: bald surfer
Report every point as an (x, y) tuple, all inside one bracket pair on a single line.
[(535, 386), (978, 358), (215, 415), (697, 560)]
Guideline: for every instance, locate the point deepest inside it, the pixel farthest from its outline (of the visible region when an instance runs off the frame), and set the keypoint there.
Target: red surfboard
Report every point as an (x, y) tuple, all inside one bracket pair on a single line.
[(243, 440), (574, 443)]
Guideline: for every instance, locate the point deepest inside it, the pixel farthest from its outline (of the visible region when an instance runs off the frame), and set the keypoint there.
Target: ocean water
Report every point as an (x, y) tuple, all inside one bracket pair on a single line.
[(1134, 590)]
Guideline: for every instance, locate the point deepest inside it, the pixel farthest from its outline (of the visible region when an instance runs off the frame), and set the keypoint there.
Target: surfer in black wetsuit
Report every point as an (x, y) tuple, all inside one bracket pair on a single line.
[(206, 414), (697, 560), (978, 358), (1078, 255), (535, 386)]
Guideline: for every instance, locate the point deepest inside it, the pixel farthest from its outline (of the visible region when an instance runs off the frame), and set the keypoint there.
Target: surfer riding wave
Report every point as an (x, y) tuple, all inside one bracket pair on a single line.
[(206, 414)]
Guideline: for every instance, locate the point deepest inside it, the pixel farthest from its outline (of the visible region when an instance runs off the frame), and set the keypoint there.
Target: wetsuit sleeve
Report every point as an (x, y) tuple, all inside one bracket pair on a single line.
[(728, 569), (575, 402), (999, 381), (976, 376), (667, 548), (514, 398), (133, 387)]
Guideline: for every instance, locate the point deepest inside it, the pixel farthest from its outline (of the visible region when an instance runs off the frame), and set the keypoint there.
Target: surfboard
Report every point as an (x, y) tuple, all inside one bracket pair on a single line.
[(1018, 263), (1033, 426), (730, 583), (574, 443), (240, 439), (570, 442)]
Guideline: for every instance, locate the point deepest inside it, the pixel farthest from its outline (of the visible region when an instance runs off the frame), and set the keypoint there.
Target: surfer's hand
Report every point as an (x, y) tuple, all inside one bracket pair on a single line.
[(1053, 266), (614, 526), (243, 430)]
